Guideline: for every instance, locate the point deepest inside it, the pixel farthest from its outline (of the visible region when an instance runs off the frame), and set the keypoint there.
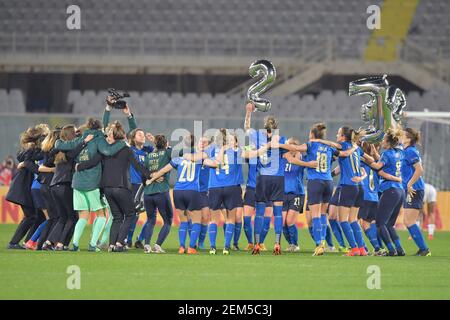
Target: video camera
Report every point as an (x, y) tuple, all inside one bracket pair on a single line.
[(117, 97)]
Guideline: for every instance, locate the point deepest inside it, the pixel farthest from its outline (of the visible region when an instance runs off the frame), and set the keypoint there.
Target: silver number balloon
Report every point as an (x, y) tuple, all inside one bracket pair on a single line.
[(267, 72), (384, 109)]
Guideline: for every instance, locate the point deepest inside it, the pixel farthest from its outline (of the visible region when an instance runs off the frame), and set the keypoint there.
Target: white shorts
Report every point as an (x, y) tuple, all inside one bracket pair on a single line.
[(430, 194)]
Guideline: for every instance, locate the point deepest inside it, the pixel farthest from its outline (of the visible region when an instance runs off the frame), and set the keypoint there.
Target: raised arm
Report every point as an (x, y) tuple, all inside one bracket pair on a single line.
[(194, 157), (388, 176), (248, 153), (332, 144), (68, 145), (348, 152), (249, 108)]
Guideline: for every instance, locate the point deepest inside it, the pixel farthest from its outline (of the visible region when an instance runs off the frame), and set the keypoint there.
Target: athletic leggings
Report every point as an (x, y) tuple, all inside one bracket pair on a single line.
[(391, 201), (52, 214), (67, 217), (122, 208), (28, 220), (162, 202)]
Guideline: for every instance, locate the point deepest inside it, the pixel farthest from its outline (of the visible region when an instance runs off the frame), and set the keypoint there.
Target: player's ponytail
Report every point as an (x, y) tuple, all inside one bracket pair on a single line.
[(68, 132), (393, 137), (160, 142), (413, 135), (319, 130), (118, 131), (49, 140), (348, 133), (270, 123), (93, 124)]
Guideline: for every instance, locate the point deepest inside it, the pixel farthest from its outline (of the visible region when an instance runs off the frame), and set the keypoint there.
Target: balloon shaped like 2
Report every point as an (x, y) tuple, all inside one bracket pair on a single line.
[(267, 72), (384, 109)]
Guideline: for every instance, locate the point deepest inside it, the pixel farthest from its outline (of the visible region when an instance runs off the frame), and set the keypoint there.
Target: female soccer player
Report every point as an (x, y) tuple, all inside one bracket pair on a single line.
[(391, 188), (204, 199), (186, 198), (414, 187), (19, 189), (86, 183), (294, 193), (320, 184), (368, 211), (115, 182), (156, 195), (62, 193), (270, 179)]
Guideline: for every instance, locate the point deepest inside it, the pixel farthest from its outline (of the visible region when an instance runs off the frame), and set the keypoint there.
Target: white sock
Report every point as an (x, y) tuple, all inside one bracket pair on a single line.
[(431, 228), (418, 223)]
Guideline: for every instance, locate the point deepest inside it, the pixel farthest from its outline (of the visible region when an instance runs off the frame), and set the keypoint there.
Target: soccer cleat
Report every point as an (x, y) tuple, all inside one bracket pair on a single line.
[(191, 251), (423, 253), (15, 247), (262, 247), (362, 252), (249, 247), (212, 251), (330, 249), (48, 247), (392, 253), (295, 248), (119, 249), (201, 246), (353, 253), (430, 237), (181, 250), (256, 249), (94, 248), (379, 253), (289, 248), (401, 253), (148, 249), (236, 248), (157, 249), (277, 249), (226, 251), (31, 245), (138, 245), (75, 248), (318, 251), (66, 248)]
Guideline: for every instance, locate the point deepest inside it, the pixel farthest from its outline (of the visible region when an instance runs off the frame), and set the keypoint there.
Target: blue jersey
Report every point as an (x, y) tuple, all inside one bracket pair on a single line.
[(293, 178), (140, 155), (392, 160), (230, 172), (204, 179), (188, 174), (411, 156), (350, 166), (323, 154), (251, 178), (370, 184), (36, 184), (269, 164)]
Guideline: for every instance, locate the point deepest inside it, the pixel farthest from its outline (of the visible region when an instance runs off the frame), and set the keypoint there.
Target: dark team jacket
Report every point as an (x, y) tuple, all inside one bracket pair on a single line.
[(116, 168), (64, 170)]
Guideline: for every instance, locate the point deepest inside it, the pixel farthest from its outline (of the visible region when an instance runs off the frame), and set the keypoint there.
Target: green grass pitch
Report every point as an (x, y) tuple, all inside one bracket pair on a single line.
[(135, 275)]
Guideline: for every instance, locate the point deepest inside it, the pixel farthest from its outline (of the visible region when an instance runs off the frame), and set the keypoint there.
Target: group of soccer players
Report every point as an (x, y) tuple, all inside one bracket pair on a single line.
[(66, 174)]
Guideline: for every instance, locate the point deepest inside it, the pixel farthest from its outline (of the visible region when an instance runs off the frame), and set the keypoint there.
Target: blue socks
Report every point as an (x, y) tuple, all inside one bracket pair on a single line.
[(348, 233), (337, 231), (182, 233), (266, 228), (202, 236), (415, 233), (189, 227), (278, 222), (328, 237), (141, 237), (311, 233), (259, 220), (237, 233), (195, 232), (317, 230), (212, 234), (287, 236), (229, 231), (398, 245), (38, 231), (248, 229), (371, 234), (357, 232), (293, 234), (323, 221)]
